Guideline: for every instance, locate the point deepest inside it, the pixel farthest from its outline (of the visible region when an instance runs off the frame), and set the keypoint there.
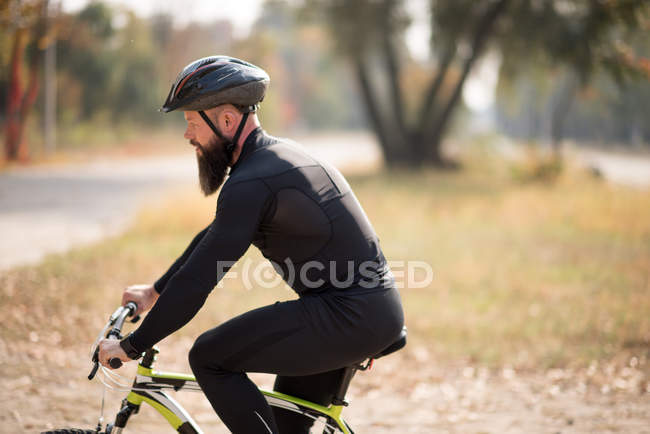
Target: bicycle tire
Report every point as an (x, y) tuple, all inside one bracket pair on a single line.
[(71, 431)]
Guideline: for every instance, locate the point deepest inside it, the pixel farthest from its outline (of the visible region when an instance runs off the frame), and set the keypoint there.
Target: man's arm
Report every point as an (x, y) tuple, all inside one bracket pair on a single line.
[(144, 295), (239, 211), (160, 284)]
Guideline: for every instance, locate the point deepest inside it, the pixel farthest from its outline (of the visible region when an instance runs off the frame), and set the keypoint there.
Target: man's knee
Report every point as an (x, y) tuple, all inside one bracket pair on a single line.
[(201, 354)]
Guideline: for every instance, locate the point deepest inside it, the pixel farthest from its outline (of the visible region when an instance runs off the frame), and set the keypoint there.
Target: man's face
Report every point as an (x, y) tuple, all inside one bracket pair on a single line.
[(210, 153)]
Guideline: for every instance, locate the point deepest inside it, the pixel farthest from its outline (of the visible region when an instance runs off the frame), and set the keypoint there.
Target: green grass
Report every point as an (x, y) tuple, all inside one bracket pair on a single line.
[(532, 275)]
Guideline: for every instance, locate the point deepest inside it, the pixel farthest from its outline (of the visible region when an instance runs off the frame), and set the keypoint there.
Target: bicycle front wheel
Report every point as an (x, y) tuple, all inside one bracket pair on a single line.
[(71, 431)]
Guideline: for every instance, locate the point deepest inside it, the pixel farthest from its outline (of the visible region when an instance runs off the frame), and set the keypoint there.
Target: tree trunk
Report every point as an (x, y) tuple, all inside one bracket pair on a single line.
[(483, 31), (427, 110), (391, 62), (428, 105), (393, 154), (560, 110), (19, 100), (13, 130), (420, 143), (31, 92)]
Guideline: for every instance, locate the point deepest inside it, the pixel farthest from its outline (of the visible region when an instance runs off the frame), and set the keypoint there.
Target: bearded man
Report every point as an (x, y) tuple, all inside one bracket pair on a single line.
[(303, 216)]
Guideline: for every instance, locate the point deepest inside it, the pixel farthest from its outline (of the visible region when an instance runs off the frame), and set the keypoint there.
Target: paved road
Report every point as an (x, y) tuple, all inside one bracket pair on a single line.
[(619, 168), (51, 209), (633, 171)]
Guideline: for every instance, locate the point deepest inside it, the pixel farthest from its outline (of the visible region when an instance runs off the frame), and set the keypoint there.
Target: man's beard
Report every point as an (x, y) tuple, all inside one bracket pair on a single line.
[(213, 166)]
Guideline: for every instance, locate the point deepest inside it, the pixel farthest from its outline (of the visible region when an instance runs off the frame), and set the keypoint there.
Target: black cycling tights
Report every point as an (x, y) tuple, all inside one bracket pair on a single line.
[(305, 342)]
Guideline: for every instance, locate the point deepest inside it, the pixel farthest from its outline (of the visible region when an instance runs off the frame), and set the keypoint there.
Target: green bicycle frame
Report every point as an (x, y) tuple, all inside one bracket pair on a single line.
[(149, 386)]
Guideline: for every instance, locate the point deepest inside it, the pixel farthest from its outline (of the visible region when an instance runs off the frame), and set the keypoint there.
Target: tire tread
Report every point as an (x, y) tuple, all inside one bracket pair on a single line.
[(70, 431)]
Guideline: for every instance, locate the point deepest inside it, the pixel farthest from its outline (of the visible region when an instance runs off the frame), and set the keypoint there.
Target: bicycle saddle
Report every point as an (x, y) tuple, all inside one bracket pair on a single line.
[(399, 343)]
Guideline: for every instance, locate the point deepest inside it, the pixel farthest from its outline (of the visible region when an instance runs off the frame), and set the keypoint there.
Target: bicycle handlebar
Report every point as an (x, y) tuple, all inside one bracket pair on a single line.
[(115, 363), (116, 332), (117, 321)]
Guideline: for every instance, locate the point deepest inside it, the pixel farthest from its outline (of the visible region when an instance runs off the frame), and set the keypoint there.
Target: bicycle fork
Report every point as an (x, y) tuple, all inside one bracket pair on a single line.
[(122, 417), (147, 387)]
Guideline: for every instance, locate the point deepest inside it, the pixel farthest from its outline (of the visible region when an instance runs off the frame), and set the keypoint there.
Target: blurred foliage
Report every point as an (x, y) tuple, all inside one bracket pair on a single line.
[(408, 102), (609, 107), (114, 70), (26, 26), (582, 34), (537, 167), (84, 60), (579, 35), (309, 89)]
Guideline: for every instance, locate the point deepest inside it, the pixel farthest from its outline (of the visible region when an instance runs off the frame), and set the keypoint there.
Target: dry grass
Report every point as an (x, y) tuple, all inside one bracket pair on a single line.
[(532, 275), (529, 275)]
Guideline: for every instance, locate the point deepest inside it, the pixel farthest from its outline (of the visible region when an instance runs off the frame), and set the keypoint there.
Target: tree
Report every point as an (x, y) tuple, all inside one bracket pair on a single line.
[(87, 60), (580, 39), (370, 33), (605, 107), (310, 87), (26, 21)]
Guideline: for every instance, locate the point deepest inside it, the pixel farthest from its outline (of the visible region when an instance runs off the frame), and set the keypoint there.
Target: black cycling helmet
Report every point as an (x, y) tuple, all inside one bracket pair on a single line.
[(216, 80)]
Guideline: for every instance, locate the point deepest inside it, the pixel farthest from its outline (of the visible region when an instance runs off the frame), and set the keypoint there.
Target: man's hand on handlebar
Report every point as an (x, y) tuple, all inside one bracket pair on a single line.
[(144, 296), (110, 349), (109, 353)]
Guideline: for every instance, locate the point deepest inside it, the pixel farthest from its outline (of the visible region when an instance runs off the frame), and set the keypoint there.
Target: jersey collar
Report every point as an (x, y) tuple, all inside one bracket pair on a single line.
[(249, 145)]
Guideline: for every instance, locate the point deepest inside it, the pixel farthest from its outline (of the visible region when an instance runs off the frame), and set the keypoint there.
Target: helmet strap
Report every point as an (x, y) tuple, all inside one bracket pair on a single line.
[(212, 126), (230, 145), (240, 128)]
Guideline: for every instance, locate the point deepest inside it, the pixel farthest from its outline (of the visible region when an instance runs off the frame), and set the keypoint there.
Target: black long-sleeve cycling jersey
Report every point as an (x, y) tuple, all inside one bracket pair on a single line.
[(300, 213)]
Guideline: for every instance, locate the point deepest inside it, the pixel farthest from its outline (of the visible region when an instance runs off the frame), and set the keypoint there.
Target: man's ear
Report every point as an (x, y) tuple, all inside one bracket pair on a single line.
[(216, 114), (229, 117)]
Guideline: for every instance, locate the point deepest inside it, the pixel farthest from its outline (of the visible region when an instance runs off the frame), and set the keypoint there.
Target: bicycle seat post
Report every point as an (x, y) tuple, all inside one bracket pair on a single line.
[(339, 396)]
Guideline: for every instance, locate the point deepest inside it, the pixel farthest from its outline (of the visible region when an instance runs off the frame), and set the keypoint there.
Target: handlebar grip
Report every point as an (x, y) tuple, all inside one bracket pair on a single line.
[(118, 320), (132, 307)]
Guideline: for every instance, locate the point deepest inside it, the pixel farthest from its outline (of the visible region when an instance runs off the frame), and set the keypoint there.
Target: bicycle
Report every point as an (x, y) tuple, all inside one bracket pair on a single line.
[(149, 386)]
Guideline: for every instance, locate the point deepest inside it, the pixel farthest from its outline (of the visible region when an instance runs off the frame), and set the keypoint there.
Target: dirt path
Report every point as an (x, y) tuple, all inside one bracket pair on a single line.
[(405, 393)]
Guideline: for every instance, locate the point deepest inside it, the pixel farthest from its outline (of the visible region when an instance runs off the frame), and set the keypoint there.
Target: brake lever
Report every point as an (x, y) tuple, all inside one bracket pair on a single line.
[(93, 372)]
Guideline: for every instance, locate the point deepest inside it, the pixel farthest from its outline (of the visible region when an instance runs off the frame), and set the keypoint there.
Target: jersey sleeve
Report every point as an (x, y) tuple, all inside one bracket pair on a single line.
[(239, 210)]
